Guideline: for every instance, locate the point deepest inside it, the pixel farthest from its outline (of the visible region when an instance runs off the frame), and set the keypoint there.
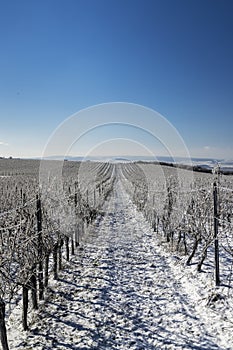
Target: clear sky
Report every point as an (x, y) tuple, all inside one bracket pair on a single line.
[(60, 56)]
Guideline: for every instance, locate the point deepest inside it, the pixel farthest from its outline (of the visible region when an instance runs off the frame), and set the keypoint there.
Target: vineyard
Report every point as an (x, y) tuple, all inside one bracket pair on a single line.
[(185, 210), (46, 224)]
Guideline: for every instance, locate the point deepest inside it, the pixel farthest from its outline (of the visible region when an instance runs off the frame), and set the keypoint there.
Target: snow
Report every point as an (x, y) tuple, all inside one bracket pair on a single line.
[(123, 290)]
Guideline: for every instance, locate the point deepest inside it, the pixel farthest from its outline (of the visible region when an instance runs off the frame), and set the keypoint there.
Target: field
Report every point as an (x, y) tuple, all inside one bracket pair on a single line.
[(114, 256)]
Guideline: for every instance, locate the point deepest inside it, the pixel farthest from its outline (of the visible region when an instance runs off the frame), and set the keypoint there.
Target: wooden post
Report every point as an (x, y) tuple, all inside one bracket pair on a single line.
[(25, 307), (46, 270), (60, 244), (3, 333), (215, 194), (33, 285), (67, 248), (55, 264), (76, 221), (40, 249), (72, 245)]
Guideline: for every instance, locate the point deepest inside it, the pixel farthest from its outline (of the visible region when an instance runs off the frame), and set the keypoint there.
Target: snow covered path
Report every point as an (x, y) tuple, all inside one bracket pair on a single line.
[(119, 292)]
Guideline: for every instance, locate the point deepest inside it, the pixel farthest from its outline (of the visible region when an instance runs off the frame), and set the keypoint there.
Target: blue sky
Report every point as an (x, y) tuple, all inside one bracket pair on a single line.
[(60, 56)]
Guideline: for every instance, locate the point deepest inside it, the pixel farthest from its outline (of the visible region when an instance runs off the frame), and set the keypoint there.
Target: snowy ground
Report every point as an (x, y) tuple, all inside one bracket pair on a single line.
[(123, 291)]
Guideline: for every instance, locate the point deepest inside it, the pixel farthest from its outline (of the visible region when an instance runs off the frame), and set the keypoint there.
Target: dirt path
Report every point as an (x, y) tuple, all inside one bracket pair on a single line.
[(119, 293)]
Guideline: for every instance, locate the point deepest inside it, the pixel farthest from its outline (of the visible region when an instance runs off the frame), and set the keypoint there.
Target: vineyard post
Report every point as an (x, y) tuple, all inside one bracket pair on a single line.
[(25, 307), (46, 270), (215, 194), (34, 287), (67, 248), (94, 198), (60, 244), (76, 220), (40, 248), (55, 253), (3, 332), (72, 245)]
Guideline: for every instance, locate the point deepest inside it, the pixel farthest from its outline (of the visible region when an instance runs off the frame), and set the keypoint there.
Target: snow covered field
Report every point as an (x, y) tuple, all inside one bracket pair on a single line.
[(123, 291)]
